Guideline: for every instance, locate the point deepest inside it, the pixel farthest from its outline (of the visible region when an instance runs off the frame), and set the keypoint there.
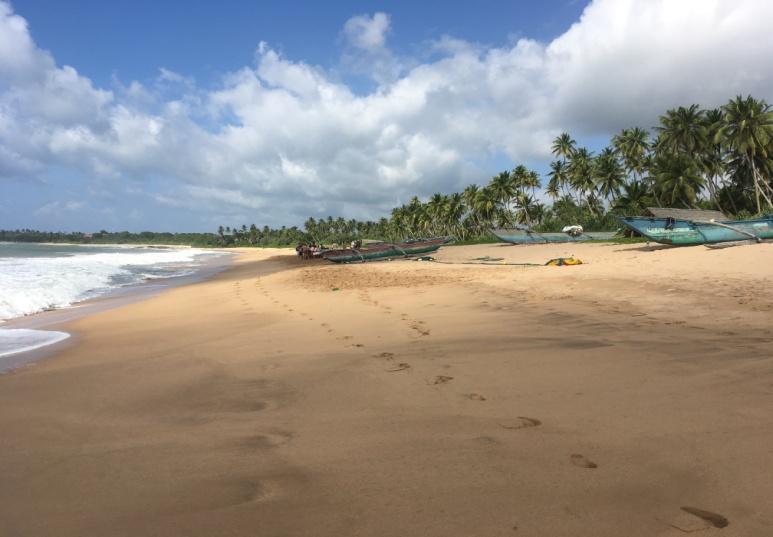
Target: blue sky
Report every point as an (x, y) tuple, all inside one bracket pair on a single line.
[(204, 39), (184, 116)]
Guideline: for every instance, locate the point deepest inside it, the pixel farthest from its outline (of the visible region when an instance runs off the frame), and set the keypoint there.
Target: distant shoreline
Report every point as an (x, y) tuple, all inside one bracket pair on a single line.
[(113, 244)]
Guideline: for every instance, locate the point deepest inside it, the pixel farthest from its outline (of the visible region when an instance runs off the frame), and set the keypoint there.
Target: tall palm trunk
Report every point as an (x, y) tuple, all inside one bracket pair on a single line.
[(713, 191), (757, 187)]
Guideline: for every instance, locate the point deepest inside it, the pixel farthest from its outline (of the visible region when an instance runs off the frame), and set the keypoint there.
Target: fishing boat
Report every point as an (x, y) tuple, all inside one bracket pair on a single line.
[(524, 236), (385, 250), (691, 232)]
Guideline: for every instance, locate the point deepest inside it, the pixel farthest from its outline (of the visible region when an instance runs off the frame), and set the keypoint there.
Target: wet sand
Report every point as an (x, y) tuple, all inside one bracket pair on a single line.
[(631, 395)]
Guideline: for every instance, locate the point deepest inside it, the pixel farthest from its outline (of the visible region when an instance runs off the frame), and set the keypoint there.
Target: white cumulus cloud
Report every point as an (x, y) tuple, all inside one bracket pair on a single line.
[(281, 139), (366, 32)]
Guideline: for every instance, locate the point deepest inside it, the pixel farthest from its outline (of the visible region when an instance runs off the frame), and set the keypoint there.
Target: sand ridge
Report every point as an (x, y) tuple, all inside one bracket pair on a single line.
[(406, 398)]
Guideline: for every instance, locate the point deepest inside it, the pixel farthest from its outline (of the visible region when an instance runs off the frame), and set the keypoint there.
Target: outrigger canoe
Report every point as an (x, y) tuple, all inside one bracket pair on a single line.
[(385, 250), (684, 232), (521, 236)]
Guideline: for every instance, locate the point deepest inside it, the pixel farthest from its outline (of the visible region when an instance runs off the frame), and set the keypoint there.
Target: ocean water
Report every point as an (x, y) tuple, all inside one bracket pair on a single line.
[(39, 277)]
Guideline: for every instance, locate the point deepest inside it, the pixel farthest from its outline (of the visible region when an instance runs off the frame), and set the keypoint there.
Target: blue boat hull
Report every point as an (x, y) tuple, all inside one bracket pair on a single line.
[(680, 232), (518, 236)]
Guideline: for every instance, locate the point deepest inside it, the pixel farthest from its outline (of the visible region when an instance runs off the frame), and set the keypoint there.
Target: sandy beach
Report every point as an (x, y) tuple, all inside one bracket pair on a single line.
[(631, 395)]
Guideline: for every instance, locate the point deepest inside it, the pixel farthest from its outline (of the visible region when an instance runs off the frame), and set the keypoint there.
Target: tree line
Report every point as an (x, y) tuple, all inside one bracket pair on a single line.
[(106, 237), (717, 158)]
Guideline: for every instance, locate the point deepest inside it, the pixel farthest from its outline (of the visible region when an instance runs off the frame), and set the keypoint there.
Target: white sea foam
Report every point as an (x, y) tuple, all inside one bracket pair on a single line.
[(32, 284), (16, 340)]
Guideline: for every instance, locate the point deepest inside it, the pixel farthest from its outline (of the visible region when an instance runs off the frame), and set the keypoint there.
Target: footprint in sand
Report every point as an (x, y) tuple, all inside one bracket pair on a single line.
[(521, 423), (402, 366), (582, 461), (419, 329), (385, 355), (715, 519), (442, 379), (475, 397), (265, 441)]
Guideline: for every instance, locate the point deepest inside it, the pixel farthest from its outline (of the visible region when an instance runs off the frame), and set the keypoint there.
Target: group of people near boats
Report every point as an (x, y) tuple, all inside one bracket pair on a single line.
[(312, 250), (309, 251)]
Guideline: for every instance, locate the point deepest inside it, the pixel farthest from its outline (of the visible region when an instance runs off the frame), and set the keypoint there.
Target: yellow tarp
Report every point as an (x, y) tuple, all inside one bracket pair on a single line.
[(561, 261)]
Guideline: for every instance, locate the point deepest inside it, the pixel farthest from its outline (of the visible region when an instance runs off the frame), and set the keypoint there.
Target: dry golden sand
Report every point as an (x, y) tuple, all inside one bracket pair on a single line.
[(629, 396)]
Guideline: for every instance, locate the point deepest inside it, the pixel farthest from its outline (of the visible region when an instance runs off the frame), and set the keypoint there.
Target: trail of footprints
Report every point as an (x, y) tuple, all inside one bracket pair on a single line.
[(276, 439), (307, 316), (237, 288), (394, 366), (417, 326)]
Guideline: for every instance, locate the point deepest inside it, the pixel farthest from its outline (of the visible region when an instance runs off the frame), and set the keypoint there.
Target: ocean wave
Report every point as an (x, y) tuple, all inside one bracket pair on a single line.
[(32, 284), (13, 341)]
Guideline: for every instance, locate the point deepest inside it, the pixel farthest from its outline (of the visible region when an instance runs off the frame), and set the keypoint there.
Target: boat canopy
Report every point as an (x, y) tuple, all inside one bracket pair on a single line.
[(686, 214)]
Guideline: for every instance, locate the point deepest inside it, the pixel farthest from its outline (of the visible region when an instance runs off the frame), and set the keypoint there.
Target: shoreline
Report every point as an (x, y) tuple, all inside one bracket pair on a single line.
[(54, 319), (409, 398)]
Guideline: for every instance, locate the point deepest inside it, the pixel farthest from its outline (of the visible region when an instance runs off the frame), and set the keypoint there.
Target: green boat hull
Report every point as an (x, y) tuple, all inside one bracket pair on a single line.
[(385, 252)]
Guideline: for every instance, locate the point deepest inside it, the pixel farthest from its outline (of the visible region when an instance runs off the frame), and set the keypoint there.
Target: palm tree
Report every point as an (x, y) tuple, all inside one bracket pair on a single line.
[(486, 204), (504, 188), (559, 178), (531, 180), (553, 189), (712, 159), (564, 146), (682, 130), (747, 130), (678, 179), (526, 208), (253, 234), (633, 146), (454, 211), (581, 174), (435, 210), (634, 200), (608, 173), (470, 196)]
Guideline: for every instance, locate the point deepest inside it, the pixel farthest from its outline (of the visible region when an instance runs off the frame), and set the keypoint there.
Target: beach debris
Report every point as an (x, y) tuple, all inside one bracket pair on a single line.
[(334, 289), (402, 366), (488, 258), (715, 519), (522, 423), (475, 397), (582, 461), (562, 261)]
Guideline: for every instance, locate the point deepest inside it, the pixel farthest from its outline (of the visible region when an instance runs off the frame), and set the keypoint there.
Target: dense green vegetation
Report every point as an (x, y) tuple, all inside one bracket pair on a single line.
[(695, 158), (105, 237)]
